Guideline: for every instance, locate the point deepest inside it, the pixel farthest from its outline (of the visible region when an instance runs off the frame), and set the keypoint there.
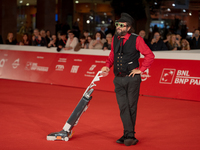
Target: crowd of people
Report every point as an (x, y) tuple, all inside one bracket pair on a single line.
[(101, 40), (172, 42)]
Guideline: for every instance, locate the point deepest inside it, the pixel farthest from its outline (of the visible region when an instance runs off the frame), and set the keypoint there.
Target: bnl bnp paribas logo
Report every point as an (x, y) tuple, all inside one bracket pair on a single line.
[(170, 76)]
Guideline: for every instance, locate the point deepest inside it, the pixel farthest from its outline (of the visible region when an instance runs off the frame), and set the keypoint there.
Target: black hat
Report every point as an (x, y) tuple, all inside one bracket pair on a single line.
[(126, 18)]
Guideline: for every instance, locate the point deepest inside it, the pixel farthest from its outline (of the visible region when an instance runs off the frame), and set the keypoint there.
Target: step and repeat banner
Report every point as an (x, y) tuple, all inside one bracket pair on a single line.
[(171, 78)]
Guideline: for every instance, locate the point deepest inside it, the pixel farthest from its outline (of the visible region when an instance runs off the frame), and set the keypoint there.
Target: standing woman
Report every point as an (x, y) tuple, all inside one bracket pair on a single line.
[(10, 39), (98, 42)]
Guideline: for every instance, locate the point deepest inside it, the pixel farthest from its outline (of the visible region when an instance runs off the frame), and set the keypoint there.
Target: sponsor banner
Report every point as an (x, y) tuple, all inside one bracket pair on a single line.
[(179, 79)]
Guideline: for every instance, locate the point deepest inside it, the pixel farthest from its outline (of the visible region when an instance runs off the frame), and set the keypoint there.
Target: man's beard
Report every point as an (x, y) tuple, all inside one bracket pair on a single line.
[(122, 33)]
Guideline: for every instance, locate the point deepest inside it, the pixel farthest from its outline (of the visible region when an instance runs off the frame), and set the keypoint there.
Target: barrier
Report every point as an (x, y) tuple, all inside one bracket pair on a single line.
[(174, 74)]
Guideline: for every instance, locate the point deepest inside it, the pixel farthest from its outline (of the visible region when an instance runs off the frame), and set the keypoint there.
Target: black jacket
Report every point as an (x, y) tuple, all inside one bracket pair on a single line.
[(159, 46), (195, 44)]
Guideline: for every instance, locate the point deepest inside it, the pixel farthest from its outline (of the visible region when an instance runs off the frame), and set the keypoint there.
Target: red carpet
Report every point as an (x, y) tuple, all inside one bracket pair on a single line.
[(30, 111)]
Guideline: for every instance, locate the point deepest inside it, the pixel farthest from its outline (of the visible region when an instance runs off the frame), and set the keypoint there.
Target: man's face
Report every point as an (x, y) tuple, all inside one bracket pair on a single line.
[(63, 37), (36, 32), (42, 33), (196, 33), (121, 28), (157, 36), (142, 33)]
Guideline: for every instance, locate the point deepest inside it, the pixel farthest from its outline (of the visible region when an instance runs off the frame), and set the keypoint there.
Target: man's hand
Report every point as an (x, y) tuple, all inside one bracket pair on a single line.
[(135, 71), (105, 69)]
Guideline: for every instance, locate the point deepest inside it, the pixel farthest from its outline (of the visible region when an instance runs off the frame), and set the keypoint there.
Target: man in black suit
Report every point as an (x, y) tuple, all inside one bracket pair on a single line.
[(195, 42)]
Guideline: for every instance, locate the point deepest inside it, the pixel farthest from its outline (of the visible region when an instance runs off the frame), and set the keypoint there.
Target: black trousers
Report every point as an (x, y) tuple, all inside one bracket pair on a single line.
[(127, 93)]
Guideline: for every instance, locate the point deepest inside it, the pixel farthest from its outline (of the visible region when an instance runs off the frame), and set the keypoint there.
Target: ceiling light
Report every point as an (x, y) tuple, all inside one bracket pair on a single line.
[(173, 5), (155, 3), (190, 14), (76, 2), (88, 21), (20, 2), (27, 4), (184, 10), (168, 9)]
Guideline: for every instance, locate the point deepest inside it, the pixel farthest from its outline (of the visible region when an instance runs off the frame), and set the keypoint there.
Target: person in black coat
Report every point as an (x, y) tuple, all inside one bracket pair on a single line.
[(62, 42), (195, 42), (156, 43)]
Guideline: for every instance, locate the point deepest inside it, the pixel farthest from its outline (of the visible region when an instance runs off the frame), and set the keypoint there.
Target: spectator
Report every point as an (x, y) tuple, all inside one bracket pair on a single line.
[(43, 33), (89, 39), (174, 43), (166, 41), (81, 44), (76, 30), (156, 43), (62, 42), (167, 38), (142, 33), (86, 34), (53, 42), (48, 37), (72, 41), (185, 45), (178, 37), (25, 40), (37, 40), (111, 28), (195, 42), (10, 39), (107, 44), (102, 31), (58, 35), (98, 42), (1, 40)]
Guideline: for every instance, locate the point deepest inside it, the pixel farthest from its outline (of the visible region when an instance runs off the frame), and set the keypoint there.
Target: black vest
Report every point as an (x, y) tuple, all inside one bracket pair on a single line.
[(127, 60)]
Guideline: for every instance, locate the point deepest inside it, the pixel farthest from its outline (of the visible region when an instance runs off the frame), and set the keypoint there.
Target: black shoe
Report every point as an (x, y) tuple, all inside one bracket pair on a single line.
[(121, 140), (130, 141)]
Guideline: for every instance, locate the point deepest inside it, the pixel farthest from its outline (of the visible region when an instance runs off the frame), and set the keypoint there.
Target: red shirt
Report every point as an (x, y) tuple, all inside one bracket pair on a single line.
[(140, 46)]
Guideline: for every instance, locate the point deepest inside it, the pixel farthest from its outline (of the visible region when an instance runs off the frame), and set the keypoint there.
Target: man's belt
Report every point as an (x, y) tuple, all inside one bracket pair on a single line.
[(121, 75)]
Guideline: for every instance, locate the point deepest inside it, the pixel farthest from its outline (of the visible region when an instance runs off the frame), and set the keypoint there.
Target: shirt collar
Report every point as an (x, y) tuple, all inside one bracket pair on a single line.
[(126, 36)]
